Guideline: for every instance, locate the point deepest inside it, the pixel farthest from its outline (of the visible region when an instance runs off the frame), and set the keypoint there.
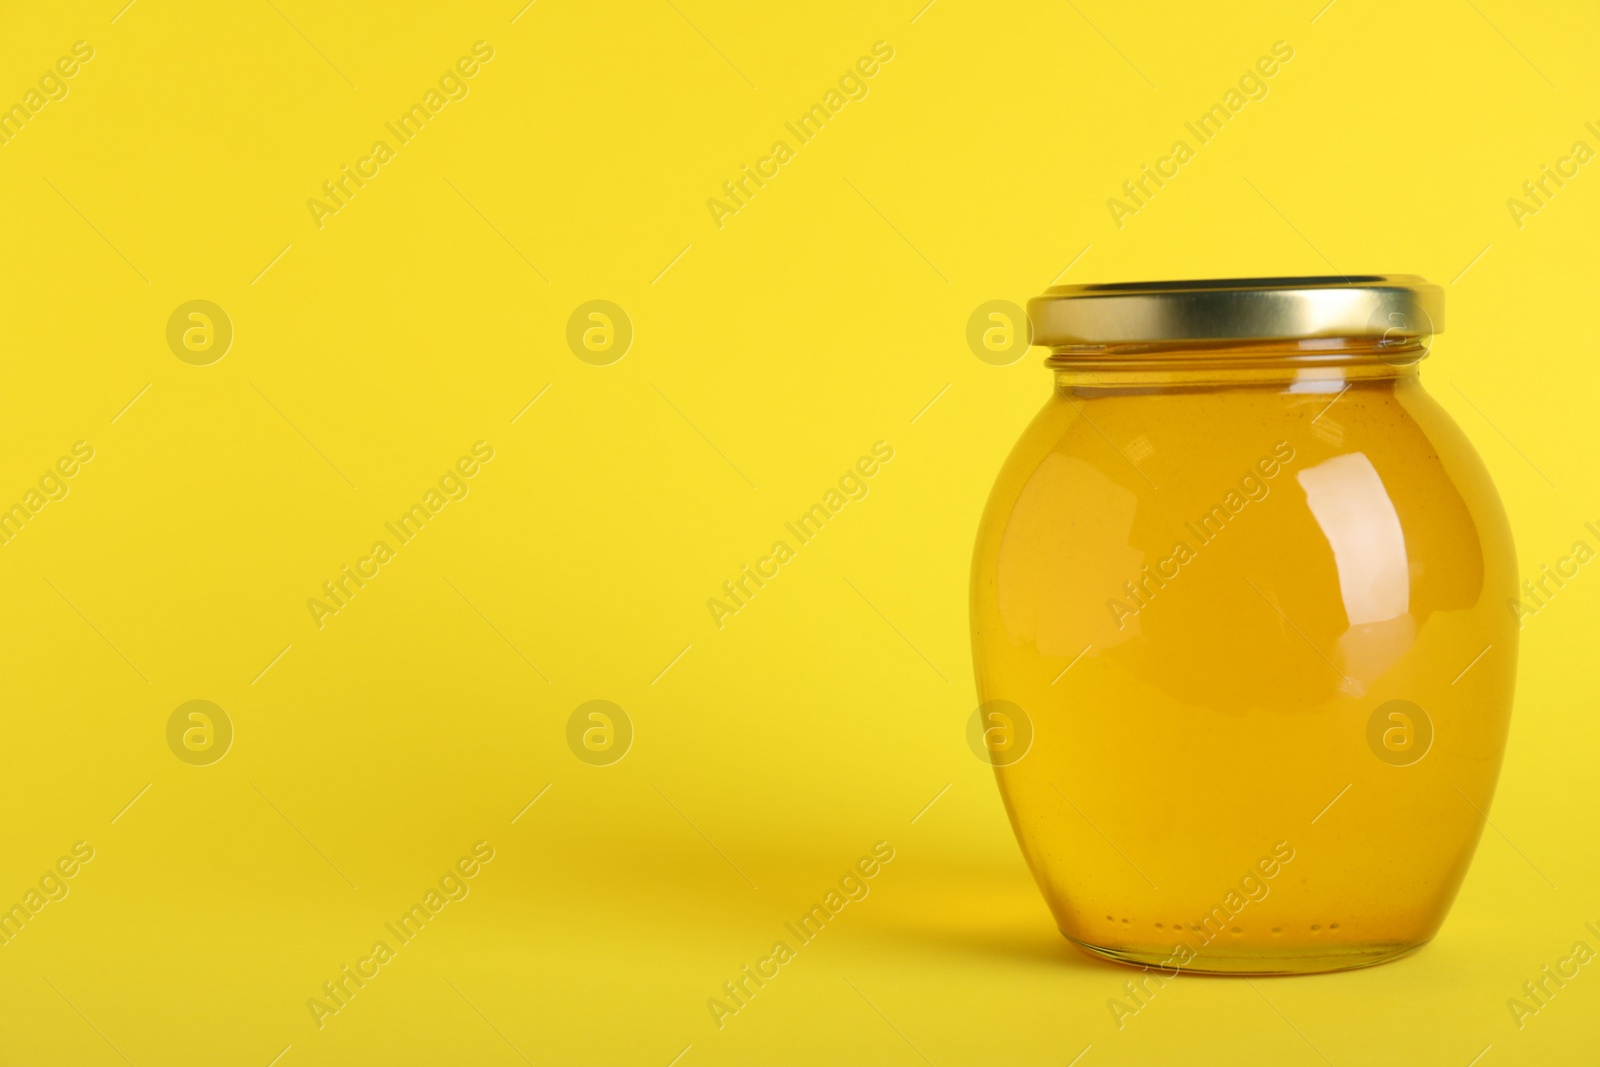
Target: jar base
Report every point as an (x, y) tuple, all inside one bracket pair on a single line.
[(1259, 964)]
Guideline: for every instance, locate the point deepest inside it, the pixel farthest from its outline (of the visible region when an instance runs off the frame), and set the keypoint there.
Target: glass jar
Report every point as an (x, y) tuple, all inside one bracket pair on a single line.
[(1240, 625)]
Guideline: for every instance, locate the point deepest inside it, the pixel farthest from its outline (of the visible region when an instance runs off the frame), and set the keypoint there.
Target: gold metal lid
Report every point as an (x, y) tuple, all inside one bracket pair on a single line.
[(1398, 308)]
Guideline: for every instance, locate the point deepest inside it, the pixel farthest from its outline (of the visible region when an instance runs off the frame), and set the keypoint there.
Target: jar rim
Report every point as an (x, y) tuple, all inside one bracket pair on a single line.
[(1397, 309)]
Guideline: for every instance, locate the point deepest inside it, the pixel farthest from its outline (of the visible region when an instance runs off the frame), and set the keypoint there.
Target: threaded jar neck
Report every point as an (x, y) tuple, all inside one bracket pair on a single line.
[(1277, 362)]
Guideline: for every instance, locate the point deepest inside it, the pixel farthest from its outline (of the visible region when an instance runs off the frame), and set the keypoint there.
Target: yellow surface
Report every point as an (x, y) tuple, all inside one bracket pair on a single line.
[(768, 354)]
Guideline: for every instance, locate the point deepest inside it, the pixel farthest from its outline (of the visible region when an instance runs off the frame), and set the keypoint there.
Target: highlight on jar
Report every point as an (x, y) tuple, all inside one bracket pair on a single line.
[(1239, 625)]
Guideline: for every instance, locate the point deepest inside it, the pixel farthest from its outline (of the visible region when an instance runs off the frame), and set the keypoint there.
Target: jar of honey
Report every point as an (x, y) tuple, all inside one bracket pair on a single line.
[(1240, 625)]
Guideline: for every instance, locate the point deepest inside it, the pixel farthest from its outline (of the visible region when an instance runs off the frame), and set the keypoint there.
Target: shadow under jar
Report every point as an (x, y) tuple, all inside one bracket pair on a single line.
[(1240, 625)]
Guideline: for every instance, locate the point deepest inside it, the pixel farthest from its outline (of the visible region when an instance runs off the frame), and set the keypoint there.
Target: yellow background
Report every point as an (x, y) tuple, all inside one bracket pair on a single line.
[(768, 355)]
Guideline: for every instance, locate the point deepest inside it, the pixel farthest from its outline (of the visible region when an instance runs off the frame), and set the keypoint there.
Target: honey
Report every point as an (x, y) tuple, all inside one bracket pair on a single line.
[(1250, 596)]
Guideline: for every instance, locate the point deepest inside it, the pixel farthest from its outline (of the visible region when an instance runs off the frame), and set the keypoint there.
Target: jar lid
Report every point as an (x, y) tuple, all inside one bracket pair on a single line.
[(1399, 308)]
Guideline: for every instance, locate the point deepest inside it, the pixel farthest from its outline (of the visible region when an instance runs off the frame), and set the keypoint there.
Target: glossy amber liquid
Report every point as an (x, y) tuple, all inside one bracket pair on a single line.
[(1199, 597)]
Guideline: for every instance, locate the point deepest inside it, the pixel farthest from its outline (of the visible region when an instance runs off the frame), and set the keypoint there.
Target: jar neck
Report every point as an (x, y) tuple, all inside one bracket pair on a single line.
[(1280, 363)]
